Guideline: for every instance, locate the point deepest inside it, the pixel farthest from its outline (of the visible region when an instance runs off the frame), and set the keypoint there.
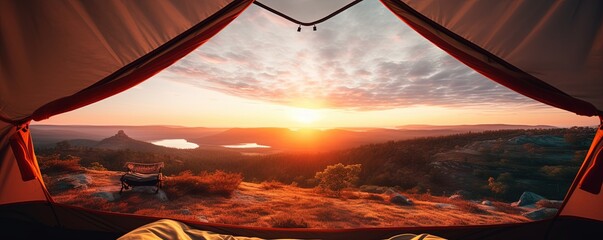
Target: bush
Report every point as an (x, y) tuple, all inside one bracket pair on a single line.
[(269, 185), (217, 183), (51, 166), (287, 222), (97, 166), (337, 177)]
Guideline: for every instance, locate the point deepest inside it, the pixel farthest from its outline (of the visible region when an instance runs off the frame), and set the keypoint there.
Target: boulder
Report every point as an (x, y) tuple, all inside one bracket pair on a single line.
[(541, 214), (202, 218), (76, 181), (160, 195), (487, 203), (185, 211), (109, 196), (445, 206), (400, 199), (528, 199), (456, 197)]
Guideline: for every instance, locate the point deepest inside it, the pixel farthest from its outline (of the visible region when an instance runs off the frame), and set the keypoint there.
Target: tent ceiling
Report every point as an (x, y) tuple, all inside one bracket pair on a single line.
[(558, 42), (306, 11), (61, 47)]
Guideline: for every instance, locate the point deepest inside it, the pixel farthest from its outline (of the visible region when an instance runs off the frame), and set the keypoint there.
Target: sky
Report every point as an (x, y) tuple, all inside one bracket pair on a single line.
[(362, 68)]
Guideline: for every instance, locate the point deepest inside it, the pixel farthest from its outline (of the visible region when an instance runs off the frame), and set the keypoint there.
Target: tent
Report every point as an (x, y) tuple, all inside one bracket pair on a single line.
[(57, 56)]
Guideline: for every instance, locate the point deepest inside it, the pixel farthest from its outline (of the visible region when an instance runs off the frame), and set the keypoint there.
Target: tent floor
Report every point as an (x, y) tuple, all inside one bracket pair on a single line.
[(36, 220)]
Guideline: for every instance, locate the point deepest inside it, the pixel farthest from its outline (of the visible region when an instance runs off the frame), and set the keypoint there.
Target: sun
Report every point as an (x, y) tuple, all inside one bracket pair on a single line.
[(305, 116)]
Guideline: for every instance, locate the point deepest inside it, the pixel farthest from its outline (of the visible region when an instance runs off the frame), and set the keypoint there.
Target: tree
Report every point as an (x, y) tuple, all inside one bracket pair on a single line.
[(337, 177), (496, 187), (62, 145)]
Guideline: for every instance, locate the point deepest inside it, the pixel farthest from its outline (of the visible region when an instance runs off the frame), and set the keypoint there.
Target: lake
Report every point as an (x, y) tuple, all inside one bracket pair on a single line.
[(176, 143), (246, 145)]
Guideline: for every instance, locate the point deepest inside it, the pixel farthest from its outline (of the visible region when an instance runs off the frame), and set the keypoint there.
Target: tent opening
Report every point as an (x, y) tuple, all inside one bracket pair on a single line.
[(359, 124)]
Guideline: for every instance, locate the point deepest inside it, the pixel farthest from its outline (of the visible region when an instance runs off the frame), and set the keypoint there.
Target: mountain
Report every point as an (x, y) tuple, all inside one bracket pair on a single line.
[(48, 135), (122, 141)]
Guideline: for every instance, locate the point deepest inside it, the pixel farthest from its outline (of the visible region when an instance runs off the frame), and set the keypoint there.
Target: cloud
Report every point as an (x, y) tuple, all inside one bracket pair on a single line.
[(362, 59)]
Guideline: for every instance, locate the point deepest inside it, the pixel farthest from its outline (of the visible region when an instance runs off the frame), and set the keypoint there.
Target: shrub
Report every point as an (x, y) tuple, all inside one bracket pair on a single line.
[(97, 166), (287, 222), (269, 185), (216, 183), (50, 166), (337, 177)]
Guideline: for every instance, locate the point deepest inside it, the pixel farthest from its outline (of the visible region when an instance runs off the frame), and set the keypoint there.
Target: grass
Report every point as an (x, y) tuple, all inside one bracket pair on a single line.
[(281, 221), (216, 183), (285, 206), (269, 185), (57, 166)]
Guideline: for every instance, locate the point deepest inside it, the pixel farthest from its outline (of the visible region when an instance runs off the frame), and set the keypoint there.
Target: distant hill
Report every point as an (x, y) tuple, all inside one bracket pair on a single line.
[(279, 139), (337, 139), (474, 127), (119, 141), (123, 141), (48, 135)]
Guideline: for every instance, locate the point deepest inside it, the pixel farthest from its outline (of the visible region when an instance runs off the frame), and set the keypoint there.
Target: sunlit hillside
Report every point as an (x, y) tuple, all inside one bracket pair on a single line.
[(272, 204)]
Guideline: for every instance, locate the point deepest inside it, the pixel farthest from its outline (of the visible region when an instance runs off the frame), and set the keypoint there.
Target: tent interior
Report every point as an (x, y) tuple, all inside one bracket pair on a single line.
[(60, 56)]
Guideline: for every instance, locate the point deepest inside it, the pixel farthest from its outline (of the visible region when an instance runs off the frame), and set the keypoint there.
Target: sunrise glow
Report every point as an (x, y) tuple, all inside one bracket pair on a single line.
[(363, 68)]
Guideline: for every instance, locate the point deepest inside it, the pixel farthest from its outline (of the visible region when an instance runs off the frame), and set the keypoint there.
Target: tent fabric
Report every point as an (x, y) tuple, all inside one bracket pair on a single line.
[(61, 55), (585, 199), (170, 229), (13, 188), (72, 71), (54, 49), (306, 11), (113, 225), (554, 59)]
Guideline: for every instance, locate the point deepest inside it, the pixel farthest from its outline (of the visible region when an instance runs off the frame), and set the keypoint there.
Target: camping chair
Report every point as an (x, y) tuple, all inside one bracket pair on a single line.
[(142, 174)]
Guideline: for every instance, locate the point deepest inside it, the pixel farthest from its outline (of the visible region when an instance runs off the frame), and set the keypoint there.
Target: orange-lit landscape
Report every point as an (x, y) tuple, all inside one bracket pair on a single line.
[(315, 133)]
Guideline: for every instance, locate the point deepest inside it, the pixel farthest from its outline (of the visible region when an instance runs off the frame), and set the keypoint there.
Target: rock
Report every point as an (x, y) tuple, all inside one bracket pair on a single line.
[(391, 191), (464, 194), (76, 181), (161, 196), (545, 203), (487, 203), (540, 214), (444, 205), (109, 196), (400, 199), (202, 218), (456, 197), (528, 199), (373, 189)]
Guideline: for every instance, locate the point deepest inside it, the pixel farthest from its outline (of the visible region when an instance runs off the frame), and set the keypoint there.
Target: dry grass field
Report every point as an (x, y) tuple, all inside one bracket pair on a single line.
[(270, 204)]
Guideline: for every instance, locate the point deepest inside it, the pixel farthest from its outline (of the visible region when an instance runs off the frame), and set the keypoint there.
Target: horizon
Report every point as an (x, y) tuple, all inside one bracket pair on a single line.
[(335, 77), (401, 127)]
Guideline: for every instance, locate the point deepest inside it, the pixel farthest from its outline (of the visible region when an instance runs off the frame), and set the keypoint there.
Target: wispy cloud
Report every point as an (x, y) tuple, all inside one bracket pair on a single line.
[(363, 59)]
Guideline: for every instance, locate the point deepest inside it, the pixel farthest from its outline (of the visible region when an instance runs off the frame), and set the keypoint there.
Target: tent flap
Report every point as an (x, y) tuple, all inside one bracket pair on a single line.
[(23, 153), (528, 75)]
